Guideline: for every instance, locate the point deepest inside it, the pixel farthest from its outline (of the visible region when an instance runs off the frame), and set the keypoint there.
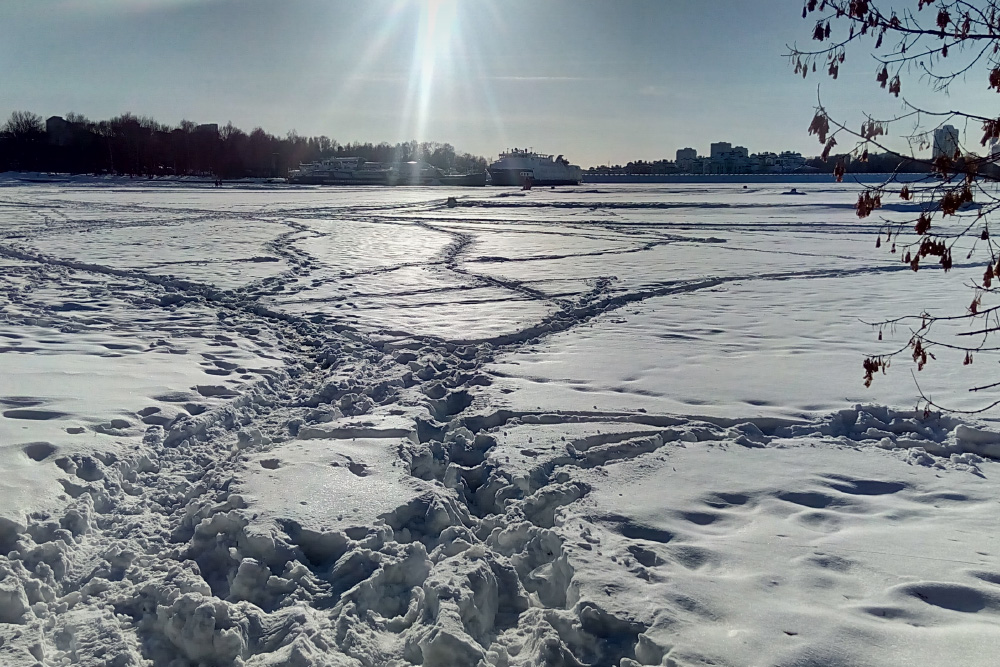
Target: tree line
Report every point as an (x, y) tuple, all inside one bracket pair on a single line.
[(140, 146), (876, 163)]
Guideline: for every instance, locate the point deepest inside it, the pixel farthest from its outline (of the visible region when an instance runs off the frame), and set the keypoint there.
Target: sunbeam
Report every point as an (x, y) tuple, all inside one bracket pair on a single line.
[(430, 63), (388, 26), (436, 34)]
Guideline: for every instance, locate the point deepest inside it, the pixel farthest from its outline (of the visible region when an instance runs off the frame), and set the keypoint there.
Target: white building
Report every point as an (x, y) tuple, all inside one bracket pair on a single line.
[(728, 159), (946, 142), (789, 161), (686, 158), (719, 148)]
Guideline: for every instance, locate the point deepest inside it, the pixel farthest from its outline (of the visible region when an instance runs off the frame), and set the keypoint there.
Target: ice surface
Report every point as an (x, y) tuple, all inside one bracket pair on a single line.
[(776, 347), (616, 425), (186, 249)]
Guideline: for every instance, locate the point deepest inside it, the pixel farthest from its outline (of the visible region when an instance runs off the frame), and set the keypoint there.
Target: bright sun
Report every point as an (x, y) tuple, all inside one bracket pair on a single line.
[(445, 78), (438, 35)]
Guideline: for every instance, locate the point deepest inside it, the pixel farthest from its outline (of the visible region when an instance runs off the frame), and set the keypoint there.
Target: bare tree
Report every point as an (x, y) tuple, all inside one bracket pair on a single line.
[(24, 126), (77, 118), (140, 145), (935, 43), (21, 141)]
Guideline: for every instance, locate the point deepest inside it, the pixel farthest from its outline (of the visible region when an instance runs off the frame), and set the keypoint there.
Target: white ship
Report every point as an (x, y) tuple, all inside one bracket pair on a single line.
[(521, 166)]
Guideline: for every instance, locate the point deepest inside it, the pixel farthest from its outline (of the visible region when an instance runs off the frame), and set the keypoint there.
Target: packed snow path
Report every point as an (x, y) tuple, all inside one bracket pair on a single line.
[(270, 426)]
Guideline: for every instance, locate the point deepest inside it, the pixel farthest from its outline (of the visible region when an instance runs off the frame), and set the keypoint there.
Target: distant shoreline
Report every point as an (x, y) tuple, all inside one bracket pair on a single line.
[(14, 177), (745, 178)]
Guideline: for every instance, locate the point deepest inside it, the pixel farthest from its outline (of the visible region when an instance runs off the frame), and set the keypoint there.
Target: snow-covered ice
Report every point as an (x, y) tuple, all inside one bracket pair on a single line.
[(605, 425)]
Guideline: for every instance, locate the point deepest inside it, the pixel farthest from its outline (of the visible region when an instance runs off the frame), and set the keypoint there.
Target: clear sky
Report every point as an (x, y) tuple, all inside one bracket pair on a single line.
[(601, 81)]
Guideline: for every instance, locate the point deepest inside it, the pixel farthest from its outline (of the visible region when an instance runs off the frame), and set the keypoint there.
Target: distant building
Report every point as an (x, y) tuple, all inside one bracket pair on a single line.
[(686, 158), (724, 158), (789, 161), (727, 159), (59, 130), (719, 148), (945, 142)]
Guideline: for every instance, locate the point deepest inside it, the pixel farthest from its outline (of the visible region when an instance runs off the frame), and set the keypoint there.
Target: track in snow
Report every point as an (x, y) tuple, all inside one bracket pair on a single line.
[(173, 546)]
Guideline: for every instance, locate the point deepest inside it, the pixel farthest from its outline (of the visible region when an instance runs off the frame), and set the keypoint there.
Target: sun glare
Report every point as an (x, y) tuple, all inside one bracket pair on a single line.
[(445, 78), (437, 32), (448, 75)]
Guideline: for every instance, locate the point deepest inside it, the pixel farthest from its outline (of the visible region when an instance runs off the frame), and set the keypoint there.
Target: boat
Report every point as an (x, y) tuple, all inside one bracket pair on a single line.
[(473, 180), (422, 173), (520, 166), (357, 171), (341, 171)]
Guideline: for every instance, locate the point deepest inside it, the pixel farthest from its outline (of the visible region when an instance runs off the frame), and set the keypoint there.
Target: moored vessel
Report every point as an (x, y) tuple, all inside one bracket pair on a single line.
[(356, 171), (520, 166), (341, 171), (475, 179)]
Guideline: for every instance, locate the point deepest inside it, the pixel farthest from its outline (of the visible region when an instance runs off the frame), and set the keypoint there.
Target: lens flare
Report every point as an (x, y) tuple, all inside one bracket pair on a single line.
[(442, 80), (435, 39)]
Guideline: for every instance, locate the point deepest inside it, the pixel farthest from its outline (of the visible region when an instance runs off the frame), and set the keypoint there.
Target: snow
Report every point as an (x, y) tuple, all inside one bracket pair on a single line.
[(758, 346), (614, 425)]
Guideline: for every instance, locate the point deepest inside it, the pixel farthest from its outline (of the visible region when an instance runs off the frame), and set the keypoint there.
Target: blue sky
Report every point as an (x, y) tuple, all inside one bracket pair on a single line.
[(600, 81)]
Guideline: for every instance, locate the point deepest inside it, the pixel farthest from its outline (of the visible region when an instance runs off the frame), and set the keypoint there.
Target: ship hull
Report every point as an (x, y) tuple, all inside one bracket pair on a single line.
[(341, 179), (464, 180), (390, 178), (516, 177)]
